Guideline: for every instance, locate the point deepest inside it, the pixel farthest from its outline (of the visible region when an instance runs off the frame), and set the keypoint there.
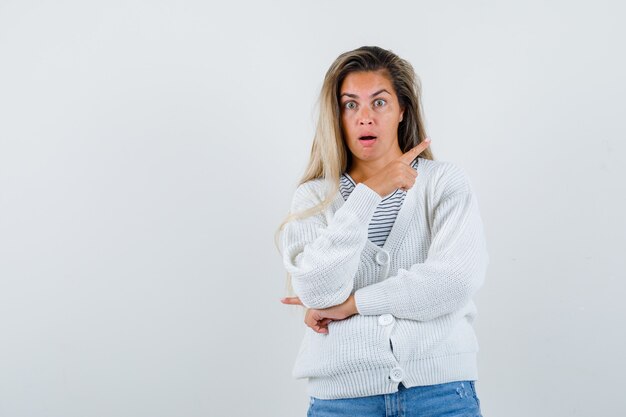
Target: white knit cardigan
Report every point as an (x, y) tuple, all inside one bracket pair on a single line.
[(414, 294)]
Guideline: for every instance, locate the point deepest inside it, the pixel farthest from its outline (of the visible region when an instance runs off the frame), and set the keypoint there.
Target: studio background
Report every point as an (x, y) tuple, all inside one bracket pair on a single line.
[(150, 149)]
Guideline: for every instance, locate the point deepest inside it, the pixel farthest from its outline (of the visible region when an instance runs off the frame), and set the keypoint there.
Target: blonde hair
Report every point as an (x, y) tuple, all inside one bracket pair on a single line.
[(330, 156)]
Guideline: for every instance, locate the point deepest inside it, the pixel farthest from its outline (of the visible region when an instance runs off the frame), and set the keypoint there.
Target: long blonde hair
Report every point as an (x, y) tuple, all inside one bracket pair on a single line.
[(330, 156)]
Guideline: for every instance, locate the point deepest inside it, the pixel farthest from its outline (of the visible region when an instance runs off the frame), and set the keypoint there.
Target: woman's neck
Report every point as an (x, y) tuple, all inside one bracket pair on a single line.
[(362, 170)]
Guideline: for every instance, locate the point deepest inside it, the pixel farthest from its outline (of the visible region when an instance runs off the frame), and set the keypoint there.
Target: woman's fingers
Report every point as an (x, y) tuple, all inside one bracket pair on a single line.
[(314, 320), (291, 300), (324, 322), (313, 317), (322, 326), (411, 154)]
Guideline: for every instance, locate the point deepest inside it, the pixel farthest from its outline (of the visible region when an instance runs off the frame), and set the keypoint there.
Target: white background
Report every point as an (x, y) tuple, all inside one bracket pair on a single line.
[(149, 150)]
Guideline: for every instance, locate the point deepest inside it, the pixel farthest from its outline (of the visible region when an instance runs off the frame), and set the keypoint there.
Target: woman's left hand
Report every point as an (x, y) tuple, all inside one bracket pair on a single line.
[(318, 319)]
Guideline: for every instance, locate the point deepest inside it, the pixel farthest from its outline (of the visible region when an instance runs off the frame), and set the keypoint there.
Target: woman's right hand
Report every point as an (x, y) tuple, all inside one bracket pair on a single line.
[(398, 173)]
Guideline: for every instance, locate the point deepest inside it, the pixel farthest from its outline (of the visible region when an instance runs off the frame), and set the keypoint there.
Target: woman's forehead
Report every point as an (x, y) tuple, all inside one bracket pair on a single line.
[(366, 82)]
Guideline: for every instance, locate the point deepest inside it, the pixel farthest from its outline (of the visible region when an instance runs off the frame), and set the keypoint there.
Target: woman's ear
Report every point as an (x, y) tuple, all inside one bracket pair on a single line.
[(401, 115)]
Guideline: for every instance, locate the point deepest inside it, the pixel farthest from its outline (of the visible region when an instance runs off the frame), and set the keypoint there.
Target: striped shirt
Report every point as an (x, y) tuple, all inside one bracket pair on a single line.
[(386, 212)]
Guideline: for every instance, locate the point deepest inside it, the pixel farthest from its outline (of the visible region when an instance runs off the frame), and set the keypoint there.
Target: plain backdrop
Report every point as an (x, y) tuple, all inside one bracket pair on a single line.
[(150, 149)]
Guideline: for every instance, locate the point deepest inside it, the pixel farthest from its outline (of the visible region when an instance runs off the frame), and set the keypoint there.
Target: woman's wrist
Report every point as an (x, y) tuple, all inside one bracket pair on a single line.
[(352, 305)]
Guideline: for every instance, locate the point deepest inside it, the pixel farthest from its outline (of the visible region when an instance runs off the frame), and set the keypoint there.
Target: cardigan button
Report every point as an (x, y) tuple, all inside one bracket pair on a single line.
[(382, 258), (397, 374), (385, 319)]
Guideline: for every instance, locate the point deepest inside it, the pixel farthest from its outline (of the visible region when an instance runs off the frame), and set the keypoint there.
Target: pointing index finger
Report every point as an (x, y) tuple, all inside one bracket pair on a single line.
[(411, 154)]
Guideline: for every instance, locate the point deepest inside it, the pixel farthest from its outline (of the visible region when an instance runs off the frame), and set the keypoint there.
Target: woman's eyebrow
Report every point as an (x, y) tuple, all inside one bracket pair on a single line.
[(375, 94)]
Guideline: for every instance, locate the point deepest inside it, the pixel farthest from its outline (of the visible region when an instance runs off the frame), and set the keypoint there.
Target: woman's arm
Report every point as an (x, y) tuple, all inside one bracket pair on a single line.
[(455, 266), (323, 258)]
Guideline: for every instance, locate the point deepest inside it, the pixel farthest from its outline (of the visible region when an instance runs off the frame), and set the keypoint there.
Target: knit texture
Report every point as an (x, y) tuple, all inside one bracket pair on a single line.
[(386, 212), (414, 294)]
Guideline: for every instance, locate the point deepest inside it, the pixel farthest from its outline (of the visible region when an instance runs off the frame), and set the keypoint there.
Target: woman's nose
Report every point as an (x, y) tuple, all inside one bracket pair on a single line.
[(365, 117)]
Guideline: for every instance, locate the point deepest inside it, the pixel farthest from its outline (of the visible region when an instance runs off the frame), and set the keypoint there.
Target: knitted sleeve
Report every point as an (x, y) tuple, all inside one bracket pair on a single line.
[(455, 266), (323, 256)]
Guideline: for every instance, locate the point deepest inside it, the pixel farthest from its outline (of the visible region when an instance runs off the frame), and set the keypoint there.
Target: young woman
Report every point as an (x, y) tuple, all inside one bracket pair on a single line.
[(385, 248)]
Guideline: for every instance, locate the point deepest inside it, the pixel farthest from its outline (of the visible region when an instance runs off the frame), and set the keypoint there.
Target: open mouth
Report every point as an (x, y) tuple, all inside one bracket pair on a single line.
[(367, 138)]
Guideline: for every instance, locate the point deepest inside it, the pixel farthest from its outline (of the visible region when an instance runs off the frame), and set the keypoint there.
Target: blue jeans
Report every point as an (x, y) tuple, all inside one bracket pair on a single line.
[(452, 399)]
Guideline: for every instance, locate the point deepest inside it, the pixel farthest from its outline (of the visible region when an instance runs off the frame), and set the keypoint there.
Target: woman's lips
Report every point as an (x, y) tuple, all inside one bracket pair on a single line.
[(367, 140)]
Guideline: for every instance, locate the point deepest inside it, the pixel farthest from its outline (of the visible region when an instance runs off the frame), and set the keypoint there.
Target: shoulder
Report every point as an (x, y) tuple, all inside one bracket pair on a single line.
[(309, 194), (444, 178)]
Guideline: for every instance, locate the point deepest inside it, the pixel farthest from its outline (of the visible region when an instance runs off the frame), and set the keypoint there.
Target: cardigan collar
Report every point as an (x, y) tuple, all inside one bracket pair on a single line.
[(400, 225)]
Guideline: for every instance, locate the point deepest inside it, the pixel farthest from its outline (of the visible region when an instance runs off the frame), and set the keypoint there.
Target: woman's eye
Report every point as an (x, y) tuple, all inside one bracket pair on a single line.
[(350, 105), (380, 102)]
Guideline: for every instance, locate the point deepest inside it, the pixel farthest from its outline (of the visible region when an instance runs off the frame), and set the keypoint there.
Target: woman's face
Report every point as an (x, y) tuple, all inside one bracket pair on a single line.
[(370, 115)]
